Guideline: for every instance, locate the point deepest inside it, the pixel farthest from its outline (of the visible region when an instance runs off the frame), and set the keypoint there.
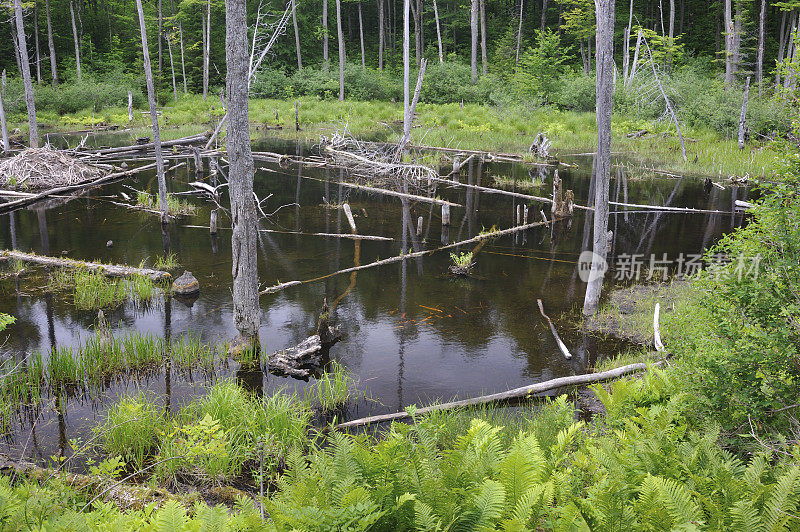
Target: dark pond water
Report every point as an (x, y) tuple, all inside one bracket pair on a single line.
[(412, 333)]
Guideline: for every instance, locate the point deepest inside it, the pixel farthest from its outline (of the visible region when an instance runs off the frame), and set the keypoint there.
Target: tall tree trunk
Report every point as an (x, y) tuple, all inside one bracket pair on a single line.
[(730, 42), (33, 133), (484, 60), (671, 33), (77, 42), (36, 39), (51, 45), (605, 66), (361, 35), (296, 36), (151, 100), (762, 17), (438, 32), (381, 33), (325, 59), (415, 9), (519, 32), (172, 66), (544, 15), (160, 38), (781, 44), (3, 124), (341, 48), (473, 28), (183, 62), (626, 46), (406, 63), (15, 40), (246, 315), (207, 49)]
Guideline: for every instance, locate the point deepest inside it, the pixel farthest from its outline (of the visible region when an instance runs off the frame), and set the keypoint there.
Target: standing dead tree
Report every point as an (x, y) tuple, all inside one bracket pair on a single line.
[(33, 133)]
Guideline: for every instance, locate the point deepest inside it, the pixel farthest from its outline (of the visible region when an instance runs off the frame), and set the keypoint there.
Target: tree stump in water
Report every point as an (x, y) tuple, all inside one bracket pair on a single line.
[(186, 284), (306, 358)]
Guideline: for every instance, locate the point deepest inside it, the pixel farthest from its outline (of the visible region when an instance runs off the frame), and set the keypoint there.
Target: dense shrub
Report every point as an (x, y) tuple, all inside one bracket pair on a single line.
[(577, 92), (70, 98)]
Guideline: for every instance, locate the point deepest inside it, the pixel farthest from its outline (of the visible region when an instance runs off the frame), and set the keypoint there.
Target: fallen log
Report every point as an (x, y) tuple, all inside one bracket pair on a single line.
[(112, 270), (331, 235), (406, 256), (13, 205), (516, 393), (185, 141), (687, 210), (561, 345)]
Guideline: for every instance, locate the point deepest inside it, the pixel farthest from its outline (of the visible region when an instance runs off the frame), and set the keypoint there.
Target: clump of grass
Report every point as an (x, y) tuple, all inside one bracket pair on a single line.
[(21, 383), (175, 205), (189, 351), (131, 429), (6, 412), (462, 263), (167, 262), (631, 356), (93, 290), (334, 388), (510, 183), (16, 266)]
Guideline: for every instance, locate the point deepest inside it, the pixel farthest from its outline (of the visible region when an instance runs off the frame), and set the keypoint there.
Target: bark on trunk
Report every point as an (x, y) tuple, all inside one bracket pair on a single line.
[(3, 124), (77, 42), (33, 133), (361, 35), (206, 48), (296, 36), (341, 48), (172, 68), (484, 59), (325, 58), (473, 28), (762, 17), (160, 38), (743, 115), (406, 64), (381, 30), (151, 100), (781, 45), (183, 62), (246, 315), (605, 65), (730, 44), (36, 40), (16, 43), (519, 32), (671, 41), (544, 15), (438, 32), (51, 45)]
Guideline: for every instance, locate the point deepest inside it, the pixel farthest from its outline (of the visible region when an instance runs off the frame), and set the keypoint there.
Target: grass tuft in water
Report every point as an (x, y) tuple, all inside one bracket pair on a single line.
[(189, 351), (93, 290), (131, 429), (167, 262), (175, 205), (334, 388)]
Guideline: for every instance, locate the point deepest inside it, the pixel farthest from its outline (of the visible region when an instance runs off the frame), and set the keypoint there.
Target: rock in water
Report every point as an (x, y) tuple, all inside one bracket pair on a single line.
[(186, 284), (110, 244)]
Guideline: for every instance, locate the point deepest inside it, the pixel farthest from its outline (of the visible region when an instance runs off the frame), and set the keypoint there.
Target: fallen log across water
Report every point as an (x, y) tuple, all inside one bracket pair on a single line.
[(516, 393), (13, 205), (185, 141), (687, 210), (490, 156), (112, 270), (561, 345), (398, 258), (331, 235)]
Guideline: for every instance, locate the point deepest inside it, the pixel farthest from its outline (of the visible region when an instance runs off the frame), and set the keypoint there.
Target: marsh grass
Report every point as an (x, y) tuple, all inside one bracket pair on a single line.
[(131, 429), (510, 183), (22, 382), (93, 290), (166, 262), (624, 358), (334, 389), (6, 412), (189, 351), (175, 205)]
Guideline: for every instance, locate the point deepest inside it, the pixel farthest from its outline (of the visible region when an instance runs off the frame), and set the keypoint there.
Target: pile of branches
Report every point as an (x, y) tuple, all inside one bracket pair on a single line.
[(378, 163), (44, 168)]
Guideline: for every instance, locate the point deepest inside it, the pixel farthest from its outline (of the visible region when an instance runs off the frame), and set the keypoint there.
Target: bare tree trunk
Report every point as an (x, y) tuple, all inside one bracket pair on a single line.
[(408, 118), (439, 33), (206, 49), (77, 42), (3, 124), (51, 45), (762, 17), (484, 60), (36, 39), (473, 26), (183, 62), (743, 115), (172, 67), (671, 33), (341, 48), (246, 310), (160, 38), (519, 31), (605, 66), (361, 34), (544, 15), (381, 33), (635, 62), (781, 45), (33, 133), (296, 36), (417, 25), (730, 44), (406, 63), (151, 100), (325, 59)]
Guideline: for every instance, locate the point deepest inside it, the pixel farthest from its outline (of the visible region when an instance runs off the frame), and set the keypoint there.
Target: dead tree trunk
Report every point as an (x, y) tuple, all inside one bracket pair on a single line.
[(473, 28), (160, 39), (172, 67), (544, 14), (206, 48), (519, 31), (77, 42), (36, 40), (730, 44), (406, 64), (51, 45), (3, 124), (605, 66), (361, 34), (325, 58), (671, 41), (781, 44), (246, 316), (151, 99), (183, 62), (438, 32), (762, 17), (381, 33), (341, 48), (743, 115), (484, 58), (409, 117), (296, 36), (33, 133)]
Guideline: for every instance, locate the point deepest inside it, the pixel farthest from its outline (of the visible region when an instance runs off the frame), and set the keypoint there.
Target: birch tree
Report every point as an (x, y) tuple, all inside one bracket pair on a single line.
[(604, 64), (341, 48), (246, 316), (760, 52), (438, 32), (51, 45), (36, 41), (77, 41), (206, 48), (33, 133), (473, 27), (484, 59), (296, 36), (325, 58), (151, 100)]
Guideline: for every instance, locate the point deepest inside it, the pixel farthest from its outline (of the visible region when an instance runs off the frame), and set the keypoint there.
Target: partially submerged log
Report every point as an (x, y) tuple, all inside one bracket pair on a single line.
[(516, 393), (112, 270), (185, 141), (561, 345), (306, 358)]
